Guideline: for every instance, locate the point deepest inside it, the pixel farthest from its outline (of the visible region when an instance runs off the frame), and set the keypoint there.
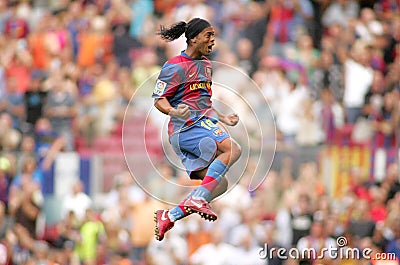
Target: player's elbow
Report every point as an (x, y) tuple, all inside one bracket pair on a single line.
[(162, 105), (157, 104)]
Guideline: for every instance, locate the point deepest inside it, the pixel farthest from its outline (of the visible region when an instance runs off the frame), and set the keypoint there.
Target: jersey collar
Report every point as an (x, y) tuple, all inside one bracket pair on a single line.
[(191, 58), (185, 55)]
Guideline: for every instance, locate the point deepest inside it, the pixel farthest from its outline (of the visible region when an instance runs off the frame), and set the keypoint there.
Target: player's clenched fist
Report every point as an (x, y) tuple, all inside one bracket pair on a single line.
[(182, 111), (231, 119)]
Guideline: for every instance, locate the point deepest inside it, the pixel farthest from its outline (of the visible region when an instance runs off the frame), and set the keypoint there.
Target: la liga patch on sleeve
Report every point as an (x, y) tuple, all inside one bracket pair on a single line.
[(160, 87)]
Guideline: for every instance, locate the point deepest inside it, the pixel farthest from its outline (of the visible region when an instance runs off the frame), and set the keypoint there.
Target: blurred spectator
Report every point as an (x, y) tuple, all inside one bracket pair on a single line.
[(144, 77), (329, 114), (378, 211), (77, 202), (29, 171), (301, 218), (118, 13), (6, 222), (141, 14), (358, 77), (92, 234), (68, 232), (99, 105), (123, 45), (75, 22), (15, 26), (5, 180), (12, 103), (244, 254), (288, 117), (255, 24), (318, 241), (21, 244), (60, 109), (281, 18), (328, 74), (125, 189), (382, 123), (41, 253), (361, 224), (34, 100), (340, 12), (394, 245), (18, 60), (216, 252), (39, 46), (25, 203), (47, 143), (246, 60), (126, 90), (391, 182), (9, 137), (95, 43), (5, 14), (302, 19), (368, 26), (250, 228), (374, 97), (142, 229), (173, 251), (310, 132), (304, 53)]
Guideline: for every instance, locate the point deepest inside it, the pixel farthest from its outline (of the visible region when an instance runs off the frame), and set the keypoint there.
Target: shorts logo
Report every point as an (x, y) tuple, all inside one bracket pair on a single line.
[(218, 132), (160, 87)]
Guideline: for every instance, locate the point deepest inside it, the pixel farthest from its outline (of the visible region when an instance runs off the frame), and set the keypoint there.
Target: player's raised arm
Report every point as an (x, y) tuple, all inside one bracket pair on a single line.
[(230, 120)]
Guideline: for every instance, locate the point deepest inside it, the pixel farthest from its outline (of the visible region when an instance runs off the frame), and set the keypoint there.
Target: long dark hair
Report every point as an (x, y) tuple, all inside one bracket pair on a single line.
[(191, 29), (173, 32)]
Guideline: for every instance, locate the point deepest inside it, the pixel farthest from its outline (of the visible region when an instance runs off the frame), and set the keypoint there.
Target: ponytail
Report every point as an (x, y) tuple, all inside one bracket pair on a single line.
[(191, 29), (174, 32)]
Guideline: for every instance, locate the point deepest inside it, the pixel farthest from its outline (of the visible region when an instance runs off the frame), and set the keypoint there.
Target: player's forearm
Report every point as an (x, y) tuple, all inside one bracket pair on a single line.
[(163, 105), (221, 117)]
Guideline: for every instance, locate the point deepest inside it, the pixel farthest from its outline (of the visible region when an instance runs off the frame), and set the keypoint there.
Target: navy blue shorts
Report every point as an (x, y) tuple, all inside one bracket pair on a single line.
[(196, 146)]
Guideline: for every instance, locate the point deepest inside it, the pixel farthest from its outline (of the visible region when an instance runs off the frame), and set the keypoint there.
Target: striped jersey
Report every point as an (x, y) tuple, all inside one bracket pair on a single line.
[(184, 80)]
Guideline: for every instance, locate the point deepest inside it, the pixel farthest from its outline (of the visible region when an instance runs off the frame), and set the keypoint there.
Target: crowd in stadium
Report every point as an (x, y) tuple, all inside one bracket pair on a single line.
[(68, 70)]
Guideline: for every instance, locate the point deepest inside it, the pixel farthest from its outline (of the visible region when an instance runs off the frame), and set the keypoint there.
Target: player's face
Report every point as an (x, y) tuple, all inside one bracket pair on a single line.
[(205, 41)]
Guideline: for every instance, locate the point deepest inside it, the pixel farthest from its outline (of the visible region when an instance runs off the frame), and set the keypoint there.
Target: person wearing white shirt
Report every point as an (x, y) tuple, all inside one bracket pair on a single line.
[(77, 202), (216, 252), (358, 76), (317, 244)]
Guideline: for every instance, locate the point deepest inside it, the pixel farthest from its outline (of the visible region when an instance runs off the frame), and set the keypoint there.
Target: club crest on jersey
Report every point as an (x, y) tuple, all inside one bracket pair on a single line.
[(160, 87), (208, 71), (218, 132), (196, 86)]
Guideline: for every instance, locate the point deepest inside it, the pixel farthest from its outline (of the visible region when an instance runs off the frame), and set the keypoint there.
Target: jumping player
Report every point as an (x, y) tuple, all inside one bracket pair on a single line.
[(183, 91)]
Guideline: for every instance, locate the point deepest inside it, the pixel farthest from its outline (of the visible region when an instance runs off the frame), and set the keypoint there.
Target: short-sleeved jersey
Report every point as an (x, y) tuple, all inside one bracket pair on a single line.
[(184, 80)]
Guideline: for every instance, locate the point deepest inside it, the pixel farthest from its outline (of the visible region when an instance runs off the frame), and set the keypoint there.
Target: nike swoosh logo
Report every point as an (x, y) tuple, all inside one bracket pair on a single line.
[(191, 75), (198, 205), (163, 216)]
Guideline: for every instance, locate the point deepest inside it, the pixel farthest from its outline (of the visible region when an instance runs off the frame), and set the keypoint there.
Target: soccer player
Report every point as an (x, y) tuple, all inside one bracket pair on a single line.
[(183, 91)]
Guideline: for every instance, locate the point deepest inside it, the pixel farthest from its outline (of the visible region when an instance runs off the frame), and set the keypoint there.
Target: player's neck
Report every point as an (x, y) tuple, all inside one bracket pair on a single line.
[(194, 53)]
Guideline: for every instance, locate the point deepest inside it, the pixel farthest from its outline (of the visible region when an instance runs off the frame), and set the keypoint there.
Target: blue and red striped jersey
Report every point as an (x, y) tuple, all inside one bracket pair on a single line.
[(184, 80)]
